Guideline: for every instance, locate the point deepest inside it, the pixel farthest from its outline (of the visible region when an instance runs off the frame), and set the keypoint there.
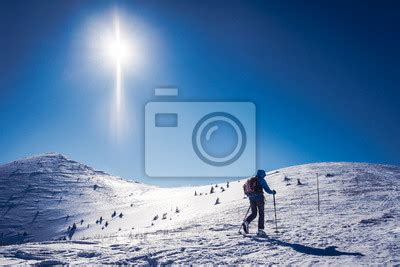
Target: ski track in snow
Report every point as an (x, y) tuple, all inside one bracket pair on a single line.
[(358, 223)]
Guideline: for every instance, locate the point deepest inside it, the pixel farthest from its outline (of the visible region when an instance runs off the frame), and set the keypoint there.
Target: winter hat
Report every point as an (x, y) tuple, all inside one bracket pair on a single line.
[(261, 173)]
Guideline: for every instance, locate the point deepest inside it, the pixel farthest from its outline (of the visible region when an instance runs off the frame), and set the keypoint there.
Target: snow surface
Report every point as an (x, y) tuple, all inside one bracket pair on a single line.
[(42, 196)]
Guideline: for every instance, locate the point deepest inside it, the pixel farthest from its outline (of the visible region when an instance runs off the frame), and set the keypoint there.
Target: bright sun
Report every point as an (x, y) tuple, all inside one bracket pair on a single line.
[(118, 51), (117, 47)]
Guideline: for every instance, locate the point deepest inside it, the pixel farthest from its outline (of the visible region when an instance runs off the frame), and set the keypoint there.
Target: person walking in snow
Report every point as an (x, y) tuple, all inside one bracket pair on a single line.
[(253, 188)]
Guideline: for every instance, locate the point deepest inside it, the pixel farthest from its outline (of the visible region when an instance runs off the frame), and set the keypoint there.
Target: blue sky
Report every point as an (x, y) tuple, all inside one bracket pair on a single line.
[(324, 77)]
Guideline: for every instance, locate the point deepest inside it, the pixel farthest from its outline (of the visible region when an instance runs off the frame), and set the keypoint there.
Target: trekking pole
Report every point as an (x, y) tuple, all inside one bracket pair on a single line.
[(276, 223), (318, 190), (241, 225)]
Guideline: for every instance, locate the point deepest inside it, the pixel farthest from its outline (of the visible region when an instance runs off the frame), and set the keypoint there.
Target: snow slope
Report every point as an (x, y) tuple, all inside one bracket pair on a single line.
[(42, 196)]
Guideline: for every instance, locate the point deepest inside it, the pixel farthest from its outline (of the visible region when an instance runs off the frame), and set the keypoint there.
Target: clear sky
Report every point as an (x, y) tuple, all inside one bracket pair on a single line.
[(324, 76)]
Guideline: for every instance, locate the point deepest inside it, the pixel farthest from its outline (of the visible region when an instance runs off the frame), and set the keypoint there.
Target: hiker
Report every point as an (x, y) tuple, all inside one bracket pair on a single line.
[(253, 188)]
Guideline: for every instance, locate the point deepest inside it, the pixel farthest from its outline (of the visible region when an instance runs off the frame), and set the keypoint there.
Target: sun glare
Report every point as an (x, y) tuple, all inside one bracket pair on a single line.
[(118, 52), (117, 48)]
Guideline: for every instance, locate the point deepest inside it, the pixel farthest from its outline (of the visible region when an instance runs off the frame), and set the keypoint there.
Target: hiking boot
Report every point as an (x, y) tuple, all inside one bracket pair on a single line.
[(245, 226), (261, 233)]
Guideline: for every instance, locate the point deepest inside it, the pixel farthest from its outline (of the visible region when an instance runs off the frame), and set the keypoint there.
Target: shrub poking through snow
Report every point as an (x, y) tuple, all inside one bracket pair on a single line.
[(71, 231), (212, 190)]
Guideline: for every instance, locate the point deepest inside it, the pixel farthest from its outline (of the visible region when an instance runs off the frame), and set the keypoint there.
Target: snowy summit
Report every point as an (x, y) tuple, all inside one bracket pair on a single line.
[(54, 210)]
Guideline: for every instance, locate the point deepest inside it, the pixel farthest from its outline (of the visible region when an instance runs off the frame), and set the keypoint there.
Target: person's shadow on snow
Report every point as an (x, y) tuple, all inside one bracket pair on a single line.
[(328, 251)]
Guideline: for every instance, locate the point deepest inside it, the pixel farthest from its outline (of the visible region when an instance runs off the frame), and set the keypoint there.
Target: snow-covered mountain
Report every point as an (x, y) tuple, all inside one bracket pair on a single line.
[(124, 222)]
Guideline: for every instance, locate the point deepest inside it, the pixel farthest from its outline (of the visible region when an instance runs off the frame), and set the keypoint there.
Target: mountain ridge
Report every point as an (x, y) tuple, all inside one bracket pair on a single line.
[(359, 212)]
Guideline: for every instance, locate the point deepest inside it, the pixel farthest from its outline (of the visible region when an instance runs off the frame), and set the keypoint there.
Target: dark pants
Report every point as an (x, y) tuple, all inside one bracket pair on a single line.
[(254, 205)]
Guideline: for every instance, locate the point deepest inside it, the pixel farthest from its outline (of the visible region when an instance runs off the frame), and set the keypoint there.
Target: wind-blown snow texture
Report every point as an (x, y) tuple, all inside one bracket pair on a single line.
[(43, 196)]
